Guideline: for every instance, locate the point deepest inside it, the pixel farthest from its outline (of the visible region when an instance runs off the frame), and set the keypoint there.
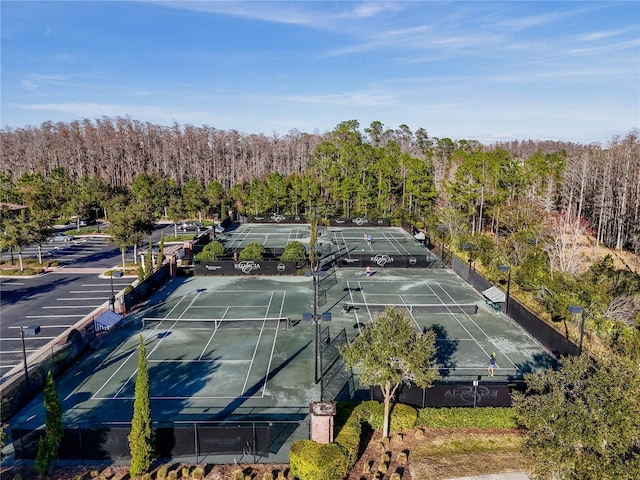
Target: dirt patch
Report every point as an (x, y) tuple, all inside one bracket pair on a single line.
[(589, 253)]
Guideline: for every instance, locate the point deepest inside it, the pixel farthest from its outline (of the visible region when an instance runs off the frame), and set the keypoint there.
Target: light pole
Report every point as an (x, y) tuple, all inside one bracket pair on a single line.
[(96, 210), (316, 287), (31, 330), (112, 300), (442, 229), (577, 310), (468, 248), (506, 268)]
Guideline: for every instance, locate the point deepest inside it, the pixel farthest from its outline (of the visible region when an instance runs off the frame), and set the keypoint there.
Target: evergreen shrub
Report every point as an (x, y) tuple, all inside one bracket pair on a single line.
[(310, 460)]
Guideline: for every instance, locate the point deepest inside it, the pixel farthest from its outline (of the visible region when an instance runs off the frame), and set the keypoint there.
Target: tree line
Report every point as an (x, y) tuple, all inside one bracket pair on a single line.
[(380, 171), (522, 204)]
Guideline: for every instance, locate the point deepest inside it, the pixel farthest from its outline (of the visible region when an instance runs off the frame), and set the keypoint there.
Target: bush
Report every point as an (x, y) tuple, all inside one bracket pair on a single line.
[(253, 251), (162, 473), (402, 416), (198, 473), (295, 252), (211, 251), (313, 461)]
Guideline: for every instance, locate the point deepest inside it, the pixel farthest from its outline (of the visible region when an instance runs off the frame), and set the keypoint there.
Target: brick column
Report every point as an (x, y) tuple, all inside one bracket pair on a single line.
[(322, 414)]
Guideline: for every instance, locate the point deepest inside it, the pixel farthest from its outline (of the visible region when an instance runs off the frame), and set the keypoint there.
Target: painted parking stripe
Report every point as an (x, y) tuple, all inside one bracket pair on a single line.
[(72, 306), (17, 327), (85, 298)]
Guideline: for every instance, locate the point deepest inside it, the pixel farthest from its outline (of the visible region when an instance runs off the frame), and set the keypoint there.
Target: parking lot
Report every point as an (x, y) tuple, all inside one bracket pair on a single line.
[(54, 301)]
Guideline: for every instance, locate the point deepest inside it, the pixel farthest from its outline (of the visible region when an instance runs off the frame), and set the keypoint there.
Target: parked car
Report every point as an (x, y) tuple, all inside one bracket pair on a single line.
[(83, 222), (184, 226), (61, 237)]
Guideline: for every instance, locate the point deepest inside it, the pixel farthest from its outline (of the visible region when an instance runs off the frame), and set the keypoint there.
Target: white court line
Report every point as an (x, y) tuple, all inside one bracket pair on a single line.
[(353, 301), (182, 397), (396, 242), (198, 361), (211, 336), (410, 313), (242, 291), (54, 316), (273, 347), (196, 307), (479, 328), (255, 349), (153, 349), (133, 352)]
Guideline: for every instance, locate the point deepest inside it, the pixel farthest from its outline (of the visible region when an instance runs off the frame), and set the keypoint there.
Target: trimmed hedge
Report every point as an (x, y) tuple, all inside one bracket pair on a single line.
[(459, 417)]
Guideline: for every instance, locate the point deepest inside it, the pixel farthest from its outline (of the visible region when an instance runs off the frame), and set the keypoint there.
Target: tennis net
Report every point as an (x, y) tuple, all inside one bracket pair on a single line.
[(342, 239), (471, 308), (270, 235), (258, 323)]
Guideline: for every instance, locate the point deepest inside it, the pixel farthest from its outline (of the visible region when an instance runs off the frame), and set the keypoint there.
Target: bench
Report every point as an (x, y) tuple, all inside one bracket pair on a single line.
[(496, 306)]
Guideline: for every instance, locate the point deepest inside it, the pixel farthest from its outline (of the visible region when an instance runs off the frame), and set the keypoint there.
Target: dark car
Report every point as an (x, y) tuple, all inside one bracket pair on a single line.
[(185, 226)]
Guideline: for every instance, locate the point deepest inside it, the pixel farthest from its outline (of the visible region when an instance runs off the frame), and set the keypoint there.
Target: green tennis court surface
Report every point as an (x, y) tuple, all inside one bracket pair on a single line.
[(231, 347), (331, 240)]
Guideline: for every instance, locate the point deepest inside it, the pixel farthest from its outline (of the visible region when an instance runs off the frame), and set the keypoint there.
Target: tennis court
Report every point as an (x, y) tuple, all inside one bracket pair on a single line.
[(270, 236), (236, 348), (467, 330), (390, 240)]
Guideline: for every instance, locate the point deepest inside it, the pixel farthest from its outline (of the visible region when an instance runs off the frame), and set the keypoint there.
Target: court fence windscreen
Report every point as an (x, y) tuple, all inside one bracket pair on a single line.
[(102, 441)]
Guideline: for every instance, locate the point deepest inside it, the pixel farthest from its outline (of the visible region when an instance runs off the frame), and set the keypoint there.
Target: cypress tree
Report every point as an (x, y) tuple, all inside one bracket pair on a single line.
[(160, 257), (140, 436), (49, 444)]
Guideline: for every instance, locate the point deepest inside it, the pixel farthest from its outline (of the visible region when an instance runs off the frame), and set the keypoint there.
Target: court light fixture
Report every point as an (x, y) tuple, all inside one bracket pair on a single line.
[(467, 247), (29, 331), (442, 229), (506, 268)]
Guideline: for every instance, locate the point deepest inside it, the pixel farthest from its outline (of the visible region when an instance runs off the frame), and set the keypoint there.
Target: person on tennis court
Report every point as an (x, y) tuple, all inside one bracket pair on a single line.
[(492, 363), (367, 271), (369, 238)]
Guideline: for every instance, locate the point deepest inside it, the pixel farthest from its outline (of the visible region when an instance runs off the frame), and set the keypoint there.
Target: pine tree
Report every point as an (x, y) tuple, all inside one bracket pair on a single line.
[(140, 439), (49, 444)]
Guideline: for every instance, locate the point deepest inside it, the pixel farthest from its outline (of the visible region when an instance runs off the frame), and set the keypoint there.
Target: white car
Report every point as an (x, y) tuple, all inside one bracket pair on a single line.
[(60, 237)]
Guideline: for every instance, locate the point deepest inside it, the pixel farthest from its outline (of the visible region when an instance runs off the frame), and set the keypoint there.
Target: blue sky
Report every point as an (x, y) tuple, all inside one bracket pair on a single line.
[(478, 70)]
